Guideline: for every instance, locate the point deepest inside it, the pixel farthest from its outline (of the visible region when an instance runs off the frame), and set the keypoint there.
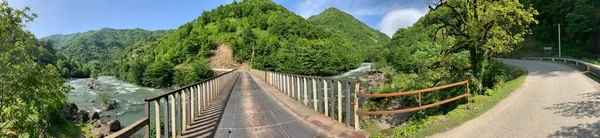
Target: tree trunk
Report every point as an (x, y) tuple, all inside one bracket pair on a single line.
[(479, 63)]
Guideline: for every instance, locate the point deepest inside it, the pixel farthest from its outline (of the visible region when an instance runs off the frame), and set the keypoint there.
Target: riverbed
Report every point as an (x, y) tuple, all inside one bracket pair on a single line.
[(130, 97)]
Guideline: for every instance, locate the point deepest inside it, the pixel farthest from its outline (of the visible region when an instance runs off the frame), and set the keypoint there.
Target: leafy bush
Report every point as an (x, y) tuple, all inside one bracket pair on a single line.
[(197, 71), (159, 74), (104, 98)]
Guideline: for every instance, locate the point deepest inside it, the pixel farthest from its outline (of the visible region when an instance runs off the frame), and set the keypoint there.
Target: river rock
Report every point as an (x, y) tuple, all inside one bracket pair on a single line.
[(92, 83), (114, 125), (111, 105), (70, 111), (83, 116), (94, 116)]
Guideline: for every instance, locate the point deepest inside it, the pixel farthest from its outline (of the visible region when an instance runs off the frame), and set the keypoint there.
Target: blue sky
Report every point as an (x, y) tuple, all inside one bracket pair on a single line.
[(72, 16)]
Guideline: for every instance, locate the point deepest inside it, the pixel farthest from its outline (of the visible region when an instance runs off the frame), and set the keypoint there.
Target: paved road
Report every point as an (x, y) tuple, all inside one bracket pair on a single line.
[(251, 112), (555, 101)]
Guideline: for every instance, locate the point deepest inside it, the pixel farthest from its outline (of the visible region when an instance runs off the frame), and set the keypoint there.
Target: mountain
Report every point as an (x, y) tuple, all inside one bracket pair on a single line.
[(360, 35), (282, 40), (100, 44)]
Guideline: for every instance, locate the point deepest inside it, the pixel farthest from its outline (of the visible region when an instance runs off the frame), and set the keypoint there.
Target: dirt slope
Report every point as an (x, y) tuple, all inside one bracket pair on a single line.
[(223, 58)]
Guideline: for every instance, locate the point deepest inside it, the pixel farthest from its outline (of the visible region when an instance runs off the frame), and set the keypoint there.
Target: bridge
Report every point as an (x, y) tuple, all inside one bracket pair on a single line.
[(254, 103)]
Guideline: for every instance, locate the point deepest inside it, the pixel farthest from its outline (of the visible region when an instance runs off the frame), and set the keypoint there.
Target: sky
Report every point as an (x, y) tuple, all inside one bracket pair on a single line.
[(73, 16)]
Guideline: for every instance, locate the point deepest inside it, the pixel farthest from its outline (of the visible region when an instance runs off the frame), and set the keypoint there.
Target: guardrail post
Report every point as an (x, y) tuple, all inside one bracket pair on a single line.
[(339, 101), (204, 96), (182, 105), (314, 91), (468, 95), (173, 119), (147, 106), (326, 98), (198, 99), (356, 106), (293, 80), (298, 84), (348, 104), (305, 92), (157, 117), (192, 102)]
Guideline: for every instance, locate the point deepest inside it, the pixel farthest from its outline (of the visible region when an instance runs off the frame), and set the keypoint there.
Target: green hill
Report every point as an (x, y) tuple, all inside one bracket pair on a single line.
[(282, 41), (100, 44), (355, 32)]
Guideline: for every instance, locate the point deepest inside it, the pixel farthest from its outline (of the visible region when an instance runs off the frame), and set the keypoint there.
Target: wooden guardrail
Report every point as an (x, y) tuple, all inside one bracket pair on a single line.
[(420, 107), (186, 103), (335, 98)]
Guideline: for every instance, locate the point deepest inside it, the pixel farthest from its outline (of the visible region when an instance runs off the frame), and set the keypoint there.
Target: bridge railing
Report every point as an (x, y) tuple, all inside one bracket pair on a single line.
[(335, 98), (179, 107), (594, 69)]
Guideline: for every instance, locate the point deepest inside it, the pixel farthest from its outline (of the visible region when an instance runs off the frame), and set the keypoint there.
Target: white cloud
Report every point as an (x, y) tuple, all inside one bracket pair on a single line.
[(399, 19)]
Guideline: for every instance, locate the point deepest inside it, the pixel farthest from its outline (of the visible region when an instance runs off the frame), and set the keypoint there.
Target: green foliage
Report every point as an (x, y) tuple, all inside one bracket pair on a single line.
[(32, 94), (104, 98), (467, 24), (196, 71), (350, 31), (579, 31), (100, 44), (158, 74)]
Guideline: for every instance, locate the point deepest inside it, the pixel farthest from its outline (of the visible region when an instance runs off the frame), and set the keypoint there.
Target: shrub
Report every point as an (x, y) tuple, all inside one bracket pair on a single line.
[(104, 98)]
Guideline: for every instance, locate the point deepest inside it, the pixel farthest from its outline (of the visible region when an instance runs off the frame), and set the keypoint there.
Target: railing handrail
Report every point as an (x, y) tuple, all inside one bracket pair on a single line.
[(185, 87), (420, 107), (315, 77), (399, 93)]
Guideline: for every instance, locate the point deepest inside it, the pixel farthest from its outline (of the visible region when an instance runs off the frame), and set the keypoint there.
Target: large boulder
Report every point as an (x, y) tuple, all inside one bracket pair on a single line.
[(114, 125), (70, 111), (83, 116), (94, 116)]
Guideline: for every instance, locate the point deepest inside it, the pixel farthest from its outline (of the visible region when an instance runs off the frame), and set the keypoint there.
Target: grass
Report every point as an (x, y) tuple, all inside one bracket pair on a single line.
[(439, 123), (70, 130)]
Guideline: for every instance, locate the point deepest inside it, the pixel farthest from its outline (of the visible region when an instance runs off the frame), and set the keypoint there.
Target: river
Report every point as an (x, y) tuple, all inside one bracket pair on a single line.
[(131, 97)]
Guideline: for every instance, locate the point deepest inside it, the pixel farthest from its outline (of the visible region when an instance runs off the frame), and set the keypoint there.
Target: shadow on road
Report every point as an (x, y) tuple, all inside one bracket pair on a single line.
[(581, 131), (579, 109)]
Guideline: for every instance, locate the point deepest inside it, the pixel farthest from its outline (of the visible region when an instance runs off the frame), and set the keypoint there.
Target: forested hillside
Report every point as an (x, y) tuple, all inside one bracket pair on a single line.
[(360, 36), (100, 44), (580, 33), (282, 41)]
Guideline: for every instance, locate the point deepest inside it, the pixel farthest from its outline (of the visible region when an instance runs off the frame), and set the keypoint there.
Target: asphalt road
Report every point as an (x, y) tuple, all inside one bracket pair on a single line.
[(555, 101)]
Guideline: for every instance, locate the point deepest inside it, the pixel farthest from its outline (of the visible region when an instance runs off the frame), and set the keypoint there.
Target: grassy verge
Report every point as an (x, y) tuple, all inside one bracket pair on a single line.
[(439, 123)]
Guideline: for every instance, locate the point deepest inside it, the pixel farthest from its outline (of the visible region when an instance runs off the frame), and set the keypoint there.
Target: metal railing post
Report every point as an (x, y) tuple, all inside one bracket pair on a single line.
[(356, 106), (157, 117), (326, 98), (147, 106), (339, 101), (173, 119), (314, 86)]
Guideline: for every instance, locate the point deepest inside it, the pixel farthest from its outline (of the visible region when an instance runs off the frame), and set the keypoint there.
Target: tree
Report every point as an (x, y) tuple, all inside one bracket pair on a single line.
[(31, 94), (159, 74), (483, 28)]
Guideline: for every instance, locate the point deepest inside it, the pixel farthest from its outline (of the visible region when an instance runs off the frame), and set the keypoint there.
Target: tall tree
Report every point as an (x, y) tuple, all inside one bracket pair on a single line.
[(483, 28), (31, 94)]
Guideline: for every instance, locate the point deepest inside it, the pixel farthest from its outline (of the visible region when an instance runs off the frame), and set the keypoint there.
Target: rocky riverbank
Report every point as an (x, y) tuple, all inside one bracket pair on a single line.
[(372, 82), (101, 125)]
